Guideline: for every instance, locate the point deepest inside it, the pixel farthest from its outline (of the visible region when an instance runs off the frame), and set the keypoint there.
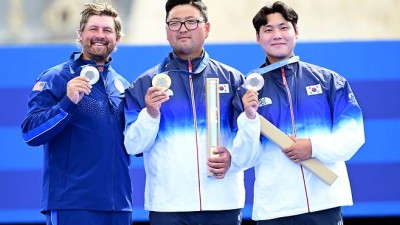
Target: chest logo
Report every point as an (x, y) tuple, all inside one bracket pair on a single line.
[(314, 89), (119, 86), (223, 88), (264, 101)]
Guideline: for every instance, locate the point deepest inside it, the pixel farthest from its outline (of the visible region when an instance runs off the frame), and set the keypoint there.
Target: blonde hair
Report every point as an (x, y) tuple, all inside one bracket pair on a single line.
[(100, 9)]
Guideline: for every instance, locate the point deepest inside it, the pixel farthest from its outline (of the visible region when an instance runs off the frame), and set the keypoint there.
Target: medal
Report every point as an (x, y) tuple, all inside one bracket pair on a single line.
[(161, 80), (254, 81), (91, 72)]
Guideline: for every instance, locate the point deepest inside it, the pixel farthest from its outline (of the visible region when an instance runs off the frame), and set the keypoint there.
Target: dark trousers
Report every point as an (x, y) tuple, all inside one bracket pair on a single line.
[(224, 217), (85, 217), (324, 217)]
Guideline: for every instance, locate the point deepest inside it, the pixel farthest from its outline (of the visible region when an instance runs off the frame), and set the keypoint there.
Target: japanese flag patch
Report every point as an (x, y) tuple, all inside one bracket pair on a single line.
[(314, 89)]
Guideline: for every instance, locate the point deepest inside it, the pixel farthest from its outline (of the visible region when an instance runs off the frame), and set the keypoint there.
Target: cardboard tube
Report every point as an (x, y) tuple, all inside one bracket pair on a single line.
[(282, 140), (213, 120)]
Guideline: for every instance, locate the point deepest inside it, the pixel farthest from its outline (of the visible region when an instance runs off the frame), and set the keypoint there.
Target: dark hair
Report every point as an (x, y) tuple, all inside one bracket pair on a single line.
[(198, 4), (260, 19)]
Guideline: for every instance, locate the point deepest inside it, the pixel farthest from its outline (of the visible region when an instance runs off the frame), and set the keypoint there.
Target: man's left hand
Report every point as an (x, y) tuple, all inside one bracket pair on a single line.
[(219, 165)]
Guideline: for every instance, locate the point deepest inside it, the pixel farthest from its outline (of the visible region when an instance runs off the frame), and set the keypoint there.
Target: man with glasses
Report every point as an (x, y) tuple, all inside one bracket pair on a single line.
[(169, 128)]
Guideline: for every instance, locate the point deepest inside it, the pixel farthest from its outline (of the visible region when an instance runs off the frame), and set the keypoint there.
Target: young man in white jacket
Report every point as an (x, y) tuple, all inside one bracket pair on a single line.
[(317, 108)]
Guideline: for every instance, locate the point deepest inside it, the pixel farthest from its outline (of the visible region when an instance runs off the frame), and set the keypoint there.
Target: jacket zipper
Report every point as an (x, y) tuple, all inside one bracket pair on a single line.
[(195, 129), (289, 96), (104, 78)]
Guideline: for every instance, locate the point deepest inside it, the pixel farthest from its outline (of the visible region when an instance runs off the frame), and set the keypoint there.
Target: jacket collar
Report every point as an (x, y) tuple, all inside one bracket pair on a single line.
[(173, 62), (77, 62)]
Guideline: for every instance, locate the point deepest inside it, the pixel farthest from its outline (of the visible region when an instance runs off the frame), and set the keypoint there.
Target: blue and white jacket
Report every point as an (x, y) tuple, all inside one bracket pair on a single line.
[(322, 107), (85, 162), (174, 145)]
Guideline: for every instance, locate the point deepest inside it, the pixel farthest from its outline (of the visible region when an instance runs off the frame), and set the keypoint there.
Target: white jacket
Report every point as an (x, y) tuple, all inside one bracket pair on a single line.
[(327, 114), (174, 149)]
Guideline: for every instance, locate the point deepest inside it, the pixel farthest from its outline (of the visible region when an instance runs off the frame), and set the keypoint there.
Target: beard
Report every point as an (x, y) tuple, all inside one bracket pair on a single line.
[(98, 49)]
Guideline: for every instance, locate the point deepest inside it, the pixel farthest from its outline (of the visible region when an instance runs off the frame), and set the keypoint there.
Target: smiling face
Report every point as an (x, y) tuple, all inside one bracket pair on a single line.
[(277, 38), (98, 38), (187, 44)]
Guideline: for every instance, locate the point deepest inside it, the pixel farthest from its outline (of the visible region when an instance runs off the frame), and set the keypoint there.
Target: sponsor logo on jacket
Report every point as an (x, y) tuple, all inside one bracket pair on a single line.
[(264, 101)]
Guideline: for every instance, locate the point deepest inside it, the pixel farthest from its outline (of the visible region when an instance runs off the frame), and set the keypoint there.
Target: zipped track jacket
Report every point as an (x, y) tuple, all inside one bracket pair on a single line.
[(307, 101), (174, 145), (85, 162)]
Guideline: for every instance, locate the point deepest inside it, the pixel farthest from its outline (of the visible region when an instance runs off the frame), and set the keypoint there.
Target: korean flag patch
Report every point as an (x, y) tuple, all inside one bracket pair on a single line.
[(223, 88), (314, 89)]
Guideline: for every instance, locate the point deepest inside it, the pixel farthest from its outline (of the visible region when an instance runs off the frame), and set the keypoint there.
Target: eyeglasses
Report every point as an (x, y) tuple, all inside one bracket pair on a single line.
[(189, 24)]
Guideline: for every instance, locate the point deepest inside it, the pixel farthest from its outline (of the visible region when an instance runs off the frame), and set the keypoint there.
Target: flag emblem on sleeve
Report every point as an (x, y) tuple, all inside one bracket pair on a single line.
[(314, 89), (39, 86)]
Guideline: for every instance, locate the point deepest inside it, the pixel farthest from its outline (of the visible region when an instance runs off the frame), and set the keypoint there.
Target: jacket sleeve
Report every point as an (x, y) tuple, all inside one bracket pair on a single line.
[(49, 110), (140, 128), (246, 146), (347, 134)]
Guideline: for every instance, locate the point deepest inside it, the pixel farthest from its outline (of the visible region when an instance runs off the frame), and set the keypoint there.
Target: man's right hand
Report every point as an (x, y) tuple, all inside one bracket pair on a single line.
[(250, 103), (155, 96), (77, 87)]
